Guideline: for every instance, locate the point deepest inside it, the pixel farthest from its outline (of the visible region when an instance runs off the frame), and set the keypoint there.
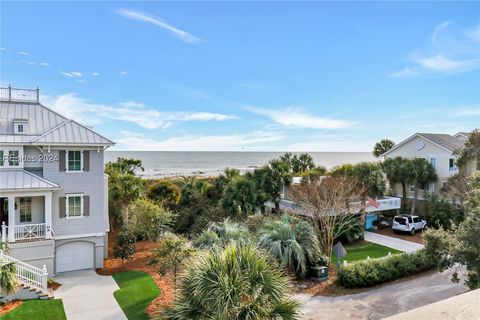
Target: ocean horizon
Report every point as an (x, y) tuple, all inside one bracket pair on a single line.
[(163, 164)]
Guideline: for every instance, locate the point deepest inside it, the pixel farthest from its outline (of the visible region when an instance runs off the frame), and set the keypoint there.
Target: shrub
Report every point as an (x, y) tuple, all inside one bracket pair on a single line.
[(165, 191), (369, 273), (236, 282), (349, 231), (221, 234), (440, 213), (149, 219), (125, 246)]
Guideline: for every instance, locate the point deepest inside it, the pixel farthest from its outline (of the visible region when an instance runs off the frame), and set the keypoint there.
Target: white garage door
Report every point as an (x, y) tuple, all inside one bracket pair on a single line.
[(74, 256)]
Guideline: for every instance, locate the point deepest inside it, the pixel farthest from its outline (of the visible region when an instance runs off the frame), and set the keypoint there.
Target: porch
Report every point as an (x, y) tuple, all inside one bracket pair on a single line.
[(25, 206)]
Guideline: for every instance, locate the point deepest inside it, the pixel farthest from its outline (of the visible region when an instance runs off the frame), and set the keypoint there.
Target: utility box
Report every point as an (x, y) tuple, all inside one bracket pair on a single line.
[(319, 273)]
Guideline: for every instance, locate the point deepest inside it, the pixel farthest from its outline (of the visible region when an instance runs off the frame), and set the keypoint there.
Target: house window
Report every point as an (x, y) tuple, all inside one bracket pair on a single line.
[(430, 187), (451, 165), (1, 158), (74, 206), (74, 161), (412, 188), (20, 128), (25, 209), (13, 160), (433, 162)]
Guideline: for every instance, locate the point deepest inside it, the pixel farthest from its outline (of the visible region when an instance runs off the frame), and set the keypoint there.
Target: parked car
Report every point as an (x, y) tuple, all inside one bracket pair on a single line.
[(408, 223)]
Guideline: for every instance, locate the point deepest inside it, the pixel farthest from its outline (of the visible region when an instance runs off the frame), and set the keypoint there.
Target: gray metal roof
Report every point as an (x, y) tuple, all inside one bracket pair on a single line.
[(45, 126), (445, 140), (21, 179)]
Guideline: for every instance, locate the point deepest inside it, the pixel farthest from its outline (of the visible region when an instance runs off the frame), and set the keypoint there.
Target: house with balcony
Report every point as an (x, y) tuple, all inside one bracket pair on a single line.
[(53, 190), (436, 148)]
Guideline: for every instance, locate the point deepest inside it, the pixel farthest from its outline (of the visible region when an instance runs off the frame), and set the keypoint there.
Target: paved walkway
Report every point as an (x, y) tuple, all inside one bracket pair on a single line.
[(391, 242), (87, 295), (384, 301)]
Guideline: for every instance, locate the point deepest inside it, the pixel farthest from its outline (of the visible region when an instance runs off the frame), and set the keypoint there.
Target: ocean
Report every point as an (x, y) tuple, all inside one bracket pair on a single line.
[(160, 164)]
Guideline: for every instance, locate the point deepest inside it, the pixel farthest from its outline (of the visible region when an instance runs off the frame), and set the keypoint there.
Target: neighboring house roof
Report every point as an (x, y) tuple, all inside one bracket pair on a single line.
[(45, 127), (21, 179), (442, 140)]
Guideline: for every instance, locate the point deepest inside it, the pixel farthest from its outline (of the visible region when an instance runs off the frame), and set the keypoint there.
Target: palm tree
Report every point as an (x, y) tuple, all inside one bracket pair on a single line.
[(235, 283), (221, 234), (397, 171), (421, 173), (382, 146), (126, 188), (278, 176), (239, 197), (8, 278), (371, 181), (292, 242)]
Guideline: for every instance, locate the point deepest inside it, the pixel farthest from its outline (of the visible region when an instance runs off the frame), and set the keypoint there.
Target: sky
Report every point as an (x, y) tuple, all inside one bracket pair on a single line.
[(254, 76)]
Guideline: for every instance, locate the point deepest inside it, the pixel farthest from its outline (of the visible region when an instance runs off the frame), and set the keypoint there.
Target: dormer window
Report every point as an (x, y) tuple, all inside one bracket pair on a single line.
[(20, 126)]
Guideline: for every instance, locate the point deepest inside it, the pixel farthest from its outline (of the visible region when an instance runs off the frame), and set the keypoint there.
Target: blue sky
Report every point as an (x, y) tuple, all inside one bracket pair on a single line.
[(249, 76)]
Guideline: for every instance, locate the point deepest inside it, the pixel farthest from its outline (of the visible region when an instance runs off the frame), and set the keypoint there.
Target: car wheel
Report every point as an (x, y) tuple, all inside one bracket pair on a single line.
[(412, 232)]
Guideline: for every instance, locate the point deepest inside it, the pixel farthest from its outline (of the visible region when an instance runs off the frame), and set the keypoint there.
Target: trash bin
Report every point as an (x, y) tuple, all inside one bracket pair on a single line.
[(319, 273)]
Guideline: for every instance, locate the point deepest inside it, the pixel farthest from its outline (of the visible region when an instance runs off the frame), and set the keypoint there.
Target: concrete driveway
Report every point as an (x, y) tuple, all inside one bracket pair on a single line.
[(384, 301), (87, 295), (395, 243)]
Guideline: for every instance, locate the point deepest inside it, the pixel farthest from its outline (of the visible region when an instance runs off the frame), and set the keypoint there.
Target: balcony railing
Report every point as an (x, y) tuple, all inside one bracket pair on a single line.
[(27, 232), (20, 95)]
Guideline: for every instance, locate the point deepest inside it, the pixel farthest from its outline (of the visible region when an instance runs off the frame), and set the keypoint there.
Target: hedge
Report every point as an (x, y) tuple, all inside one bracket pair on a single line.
[(368, 273)]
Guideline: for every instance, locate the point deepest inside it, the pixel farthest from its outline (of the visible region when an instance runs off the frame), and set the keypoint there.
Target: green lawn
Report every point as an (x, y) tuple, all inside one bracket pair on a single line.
[(137, 290), (362, 249), (38, 310)]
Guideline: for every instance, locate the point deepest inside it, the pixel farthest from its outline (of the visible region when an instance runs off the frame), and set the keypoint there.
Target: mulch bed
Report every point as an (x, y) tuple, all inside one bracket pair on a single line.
[(54, 285), (140, 262), (9, 306)]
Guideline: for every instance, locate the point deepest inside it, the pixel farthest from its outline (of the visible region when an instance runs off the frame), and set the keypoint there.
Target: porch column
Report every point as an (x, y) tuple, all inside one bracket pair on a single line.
[(11, 219), (48, 214)]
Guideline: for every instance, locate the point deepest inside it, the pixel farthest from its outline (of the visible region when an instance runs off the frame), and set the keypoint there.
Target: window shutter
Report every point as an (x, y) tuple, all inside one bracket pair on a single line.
[(62, 211), (61, 160), (86, 206), (86, 160)]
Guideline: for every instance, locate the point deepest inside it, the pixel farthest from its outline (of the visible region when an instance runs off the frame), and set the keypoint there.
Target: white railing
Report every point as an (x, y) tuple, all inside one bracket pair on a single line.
[(30, 231), (17, 94), (27, 274)]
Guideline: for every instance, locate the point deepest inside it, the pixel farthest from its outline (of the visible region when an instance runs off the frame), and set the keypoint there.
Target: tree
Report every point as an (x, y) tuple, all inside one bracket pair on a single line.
[(124, 165), (441, 213), (396, 170), (371, 181), (302, 163), (165, 191), (172, 253), (460, 245), (470, 151), (221, 234), (292, 242), (259, 178), (235, 283), (382, 146), (421, 173), (149, 219), (125, 244), (345, 169), (277, 177), (239, 197), (192, 188), (8, 278), (125, 188), (328, 204), (455, 189)]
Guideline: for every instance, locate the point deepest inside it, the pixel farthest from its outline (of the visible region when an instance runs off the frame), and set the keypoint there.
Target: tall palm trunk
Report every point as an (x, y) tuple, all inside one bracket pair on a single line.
[(404, 196), (415, 198)]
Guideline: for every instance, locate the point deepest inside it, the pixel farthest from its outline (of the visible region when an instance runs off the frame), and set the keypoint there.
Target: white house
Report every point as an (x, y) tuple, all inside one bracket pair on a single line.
[(438, 149), (53, 190)]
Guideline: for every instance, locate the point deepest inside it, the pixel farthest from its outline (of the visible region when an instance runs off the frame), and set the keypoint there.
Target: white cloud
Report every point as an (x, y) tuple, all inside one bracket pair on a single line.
[(3, 49), (145, 17), (73, 74), (296, 117), (123, 73), (45, 64), (451, 50), (258, 140), (30, 63), (94, 74), (471, 111), (23, 53), (92, 113)]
